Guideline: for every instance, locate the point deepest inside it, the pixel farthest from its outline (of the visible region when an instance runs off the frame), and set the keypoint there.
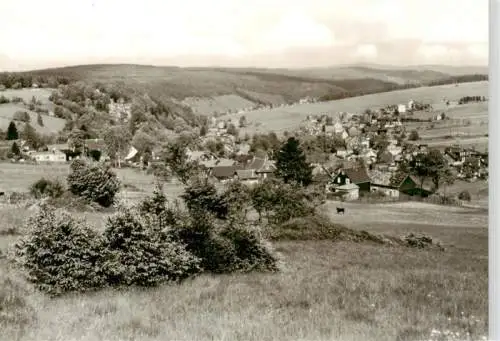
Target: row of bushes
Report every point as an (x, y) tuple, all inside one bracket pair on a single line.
[(148, 244)]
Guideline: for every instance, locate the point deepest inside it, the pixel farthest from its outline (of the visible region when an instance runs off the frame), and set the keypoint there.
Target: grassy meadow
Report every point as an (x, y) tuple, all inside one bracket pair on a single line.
[(50, 124), (326, 290)]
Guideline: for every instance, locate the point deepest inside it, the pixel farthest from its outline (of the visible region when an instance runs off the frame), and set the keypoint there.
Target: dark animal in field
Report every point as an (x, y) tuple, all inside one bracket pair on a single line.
[(340, 210)]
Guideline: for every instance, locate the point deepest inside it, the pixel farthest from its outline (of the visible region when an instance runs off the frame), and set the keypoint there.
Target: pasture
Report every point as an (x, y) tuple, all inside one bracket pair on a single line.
[(290, 117), (326, 290), (27, 94), (217, 104), (50, 124)]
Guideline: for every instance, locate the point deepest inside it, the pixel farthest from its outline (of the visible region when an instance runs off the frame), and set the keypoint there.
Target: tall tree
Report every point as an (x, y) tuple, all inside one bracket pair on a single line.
[(177, 162), (15, 149), (117, 140), (39, 120), (31, 137), (12, 133), (431, 165), (291, 164)]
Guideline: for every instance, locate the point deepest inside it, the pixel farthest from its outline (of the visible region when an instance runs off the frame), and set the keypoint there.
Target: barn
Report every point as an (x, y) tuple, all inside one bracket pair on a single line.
[(349, 192), (356, 175)]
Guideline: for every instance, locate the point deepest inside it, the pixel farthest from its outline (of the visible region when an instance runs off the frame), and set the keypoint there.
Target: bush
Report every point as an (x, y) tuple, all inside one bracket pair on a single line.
[(421, 241), (226, 247), (139, 256), (22, 116), (464, 195), (47, 188), (61, 253), (98, 183), (413, 135), (222, 245)]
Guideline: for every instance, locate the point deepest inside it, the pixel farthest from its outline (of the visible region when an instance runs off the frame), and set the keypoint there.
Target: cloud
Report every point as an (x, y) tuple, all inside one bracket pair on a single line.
[(366, 51), (296, 29), (282, 32)]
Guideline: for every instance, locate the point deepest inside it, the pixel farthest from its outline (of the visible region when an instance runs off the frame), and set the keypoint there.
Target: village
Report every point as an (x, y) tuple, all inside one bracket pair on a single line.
[(366, 158)]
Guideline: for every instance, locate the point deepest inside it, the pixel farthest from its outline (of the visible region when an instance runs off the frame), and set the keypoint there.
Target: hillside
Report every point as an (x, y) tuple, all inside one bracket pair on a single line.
[(199, 88), (165, 100), (290, 117)]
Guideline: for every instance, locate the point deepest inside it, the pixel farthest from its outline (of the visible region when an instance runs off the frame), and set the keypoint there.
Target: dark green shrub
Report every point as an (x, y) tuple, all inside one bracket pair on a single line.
[(47, 188), (464, 195), (224, 246), (61, 253), (97, 183), (140, 256)]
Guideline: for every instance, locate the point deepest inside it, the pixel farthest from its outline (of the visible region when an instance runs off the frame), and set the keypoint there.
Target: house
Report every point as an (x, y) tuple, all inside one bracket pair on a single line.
[(247, 176), (392, 186), (370, 156), (243, 149), (199, 155), (329, 129), (394, 150), (365, 142), (92, 146), (341, 152), (263, 167), (386, 158), (49, 156), (63, 147), (133, 155), (401, 108), (356, 175), (211, 163), (223, 173), (348, 192)]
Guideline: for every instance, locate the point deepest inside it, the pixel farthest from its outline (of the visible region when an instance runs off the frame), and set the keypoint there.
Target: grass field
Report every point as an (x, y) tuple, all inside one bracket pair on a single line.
[(50, 124), (325, 291), (217, 104), (41, 95), (289, 118)]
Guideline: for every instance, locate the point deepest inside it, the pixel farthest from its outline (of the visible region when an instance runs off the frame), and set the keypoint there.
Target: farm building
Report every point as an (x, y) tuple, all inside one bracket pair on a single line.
[(392, 186), (49, 156), (223, 173), (341, 152), (247, 176), (355, 175), (262, 167), (401, 108), (348, 192)]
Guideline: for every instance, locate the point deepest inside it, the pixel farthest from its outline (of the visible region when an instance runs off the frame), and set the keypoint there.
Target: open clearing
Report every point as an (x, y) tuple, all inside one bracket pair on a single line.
[(50, 124), (326, 291), (288, 118), (27, 94)]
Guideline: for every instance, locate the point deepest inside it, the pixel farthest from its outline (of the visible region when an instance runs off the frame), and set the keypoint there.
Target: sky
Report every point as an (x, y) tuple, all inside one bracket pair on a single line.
[(241, 33)]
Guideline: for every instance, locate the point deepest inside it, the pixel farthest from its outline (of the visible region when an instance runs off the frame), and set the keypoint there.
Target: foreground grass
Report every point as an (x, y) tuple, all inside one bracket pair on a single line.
[(326, 291)]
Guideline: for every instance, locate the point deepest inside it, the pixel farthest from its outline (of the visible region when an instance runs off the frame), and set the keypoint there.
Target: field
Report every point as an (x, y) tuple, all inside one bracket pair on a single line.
[(217, 104), (7, 111), (326, 290), (289, 118), (41, 95)]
